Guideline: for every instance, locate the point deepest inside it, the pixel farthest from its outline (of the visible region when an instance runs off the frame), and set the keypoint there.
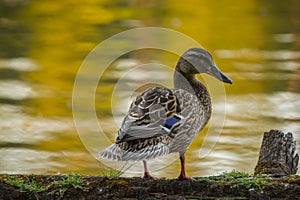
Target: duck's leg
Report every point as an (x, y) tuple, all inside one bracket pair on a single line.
[(146, 172), (182, 175)]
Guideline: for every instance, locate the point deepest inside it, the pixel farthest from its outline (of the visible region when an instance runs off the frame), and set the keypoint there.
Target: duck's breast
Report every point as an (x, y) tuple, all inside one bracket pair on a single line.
[(195, 117)]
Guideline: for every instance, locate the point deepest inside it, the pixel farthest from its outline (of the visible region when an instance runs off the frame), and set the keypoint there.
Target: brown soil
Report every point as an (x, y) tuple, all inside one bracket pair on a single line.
[(96, 187)]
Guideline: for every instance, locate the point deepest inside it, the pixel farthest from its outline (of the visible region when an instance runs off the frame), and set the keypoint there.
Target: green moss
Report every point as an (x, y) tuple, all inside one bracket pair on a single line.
[(112, 183), (206, 179), (292, 179), (26, 185), (69, 181), (253, 182), (239, 179), (244, 179), (233, 175)]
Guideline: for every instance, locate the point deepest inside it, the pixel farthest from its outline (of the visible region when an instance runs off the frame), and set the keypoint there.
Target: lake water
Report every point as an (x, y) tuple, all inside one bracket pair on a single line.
[(43, 44)]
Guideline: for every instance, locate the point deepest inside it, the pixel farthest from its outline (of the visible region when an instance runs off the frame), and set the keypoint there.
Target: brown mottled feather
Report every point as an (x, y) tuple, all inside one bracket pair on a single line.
[(141, 136)]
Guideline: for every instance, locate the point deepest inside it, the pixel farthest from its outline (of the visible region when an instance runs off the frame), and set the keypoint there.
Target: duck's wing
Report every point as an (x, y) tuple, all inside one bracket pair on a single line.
[(159, 121), (153, 113)]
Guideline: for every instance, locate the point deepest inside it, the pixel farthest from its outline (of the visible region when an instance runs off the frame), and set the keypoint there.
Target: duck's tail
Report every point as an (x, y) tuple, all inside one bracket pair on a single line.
[(114, 152)]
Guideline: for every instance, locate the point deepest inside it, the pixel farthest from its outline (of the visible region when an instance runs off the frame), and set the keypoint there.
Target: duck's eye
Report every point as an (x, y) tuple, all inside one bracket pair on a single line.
[(209, 68)]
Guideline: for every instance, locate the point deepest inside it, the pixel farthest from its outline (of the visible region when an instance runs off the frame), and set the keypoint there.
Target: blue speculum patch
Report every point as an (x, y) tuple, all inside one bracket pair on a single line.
[(168, 123)]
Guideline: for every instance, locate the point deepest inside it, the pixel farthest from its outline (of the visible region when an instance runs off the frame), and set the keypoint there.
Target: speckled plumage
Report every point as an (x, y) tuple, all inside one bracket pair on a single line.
[(142, 138), (145, 133)]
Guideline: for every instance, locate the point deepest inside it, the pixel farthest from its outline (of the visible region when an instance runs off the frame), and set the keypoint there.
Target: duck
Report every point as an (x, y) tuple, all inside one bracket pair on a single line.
[(162, 120)]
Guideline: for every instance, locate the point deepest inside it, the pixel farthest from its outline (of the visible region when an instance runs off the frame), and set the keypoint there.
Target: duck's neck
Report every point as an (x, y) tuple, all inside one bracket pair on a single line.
[(190, 83), (185, 81)]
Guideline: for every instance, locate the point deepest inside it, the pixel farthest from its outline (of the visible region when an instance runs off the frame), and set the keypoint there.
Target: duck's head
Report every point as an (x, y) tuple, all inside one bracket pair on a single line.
[(198, 60)]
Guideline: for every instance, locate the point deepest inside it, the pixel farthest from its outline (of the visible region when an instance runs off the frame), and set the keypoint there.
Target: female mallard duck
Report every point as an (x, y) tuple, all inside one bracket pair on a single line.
[(162, 120)]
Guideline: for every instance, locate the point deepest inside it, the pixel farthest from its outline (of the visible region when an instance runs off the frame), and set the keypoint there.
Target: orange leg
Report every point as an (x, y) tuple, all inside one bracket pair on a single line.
[(146, 172), (182, 175)]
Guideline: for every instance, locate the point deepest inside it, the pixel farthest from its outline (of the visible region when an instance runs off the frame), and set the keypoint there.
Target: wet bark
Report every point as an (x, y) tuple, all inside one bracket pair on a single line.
[(277, 154)]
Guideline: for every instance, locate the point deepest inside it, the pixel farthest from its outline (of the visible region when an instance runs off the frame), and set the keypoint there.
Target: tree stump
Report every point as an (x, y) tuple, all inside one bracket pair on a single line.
[(277, 154)]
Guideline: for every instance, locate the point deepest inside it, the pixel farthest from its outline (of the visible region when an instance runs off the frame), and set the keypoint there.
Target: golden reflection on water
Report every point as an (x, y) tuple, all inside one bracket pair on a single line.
[(43, 44)]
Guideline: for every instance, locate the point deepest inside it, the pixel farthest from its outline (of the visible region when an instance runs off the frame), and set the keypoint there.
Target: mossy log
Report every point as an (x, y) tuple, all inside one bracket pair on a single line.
[(277, 155), (230, 186)]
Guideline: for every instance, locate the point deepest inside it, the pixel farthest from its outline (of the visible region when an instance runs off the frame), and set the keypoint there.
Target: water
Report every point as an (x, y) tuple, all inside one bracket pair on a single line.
[(256, 43)]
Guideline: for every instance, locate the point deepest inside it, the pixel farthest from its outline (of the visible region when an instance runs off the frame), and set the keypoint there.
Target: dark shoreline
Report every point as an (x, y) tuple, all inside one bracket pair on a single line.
[(99, 187)]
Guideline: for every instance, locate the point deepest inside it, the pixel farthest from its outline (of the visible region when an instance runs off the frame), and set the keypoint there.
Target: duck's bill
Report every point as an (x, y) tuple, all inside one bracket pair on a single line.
[(225, 78), (215, 72)]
